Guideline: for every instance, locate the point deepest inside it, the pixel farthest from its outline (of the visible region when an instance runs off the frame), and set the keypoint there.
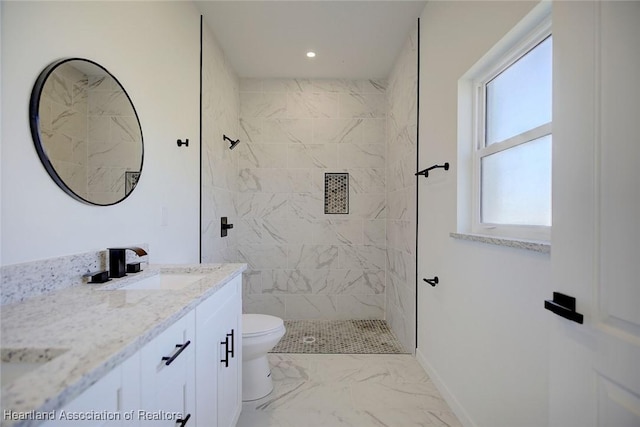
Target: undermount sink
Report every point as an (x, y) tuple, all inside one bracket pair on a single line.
[(164, 281), (15, 363)]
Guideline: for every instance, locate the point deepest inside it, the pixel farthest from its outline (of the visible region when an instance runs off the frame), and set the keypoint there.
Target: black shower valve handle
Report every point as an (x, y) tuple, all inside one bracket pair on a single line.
[(224, 226)]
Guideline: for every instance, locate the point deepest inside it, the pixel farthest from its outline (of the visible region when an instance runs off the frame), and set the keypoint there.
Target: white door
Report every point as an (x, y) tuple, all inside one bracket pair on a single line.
[(595, 366)]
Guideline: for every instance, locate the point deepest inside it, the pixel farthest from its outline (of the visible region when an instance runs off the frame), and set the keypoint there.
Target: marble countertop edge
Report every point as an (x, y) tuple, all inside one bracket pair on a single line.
[(65, 377)]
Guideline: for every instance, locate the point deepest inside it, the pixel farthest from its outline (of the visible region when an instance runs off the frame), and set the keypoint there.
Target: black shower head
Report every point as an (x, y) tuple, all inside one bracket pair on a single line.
[(233, 143)]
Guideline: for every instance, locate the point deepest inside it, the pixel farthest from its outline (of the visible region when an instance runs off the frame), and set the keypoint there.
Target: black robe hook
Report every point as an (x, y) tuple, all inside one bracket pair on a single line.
[(433, 282)]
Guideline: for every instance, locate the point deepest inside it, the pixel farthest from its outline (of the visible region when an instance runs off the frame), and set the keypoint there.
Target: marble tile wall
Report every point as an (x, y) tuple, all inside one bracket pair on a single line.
[(63, 125), (304, 264), (220, 109), (401, 194), (83, 118), (111, 124)]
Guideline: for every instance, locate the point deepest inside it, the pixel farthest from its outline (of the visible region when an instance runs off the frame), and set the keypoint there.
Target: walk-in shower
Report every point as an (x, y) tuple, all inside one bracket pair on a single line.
[(321, 193)]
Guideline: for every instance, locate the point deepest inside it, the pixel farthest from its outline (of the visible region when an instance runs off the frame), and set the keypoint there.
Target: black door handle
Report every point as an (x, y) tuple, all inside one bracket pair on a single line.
[(565, 306)]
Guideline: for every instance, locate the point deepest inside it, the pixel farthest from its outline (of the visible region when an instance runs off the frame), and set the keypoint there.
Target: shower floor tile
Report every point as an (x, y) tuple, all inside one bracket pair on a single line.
[(338, 337)]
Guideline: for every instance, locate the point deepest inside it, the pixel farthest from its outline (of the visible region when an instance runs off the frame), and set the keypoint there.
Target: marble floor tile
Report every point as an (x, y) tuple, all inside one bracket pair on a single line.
[(287, 368), (350, 390), (346, 418), (395, 395), (405, 418), (350, 368), (305, 395), (443, 418), (405, 369)]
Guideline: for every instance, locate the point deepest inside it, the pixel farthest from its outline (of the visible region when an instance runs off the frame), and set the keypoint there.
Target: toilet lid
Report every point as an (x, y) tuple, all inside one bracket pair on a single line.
[(259, 324)]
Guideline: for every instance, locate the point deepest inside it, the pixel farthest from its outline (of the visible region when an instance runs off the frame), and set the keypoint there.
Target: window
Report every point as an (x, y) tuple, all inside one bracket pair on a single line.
[(511, 144)]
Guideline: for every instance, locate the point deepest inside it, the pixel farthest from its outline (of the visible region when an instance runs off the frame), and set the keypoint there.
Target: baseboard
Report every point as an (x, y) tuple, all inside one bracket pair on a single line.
[(451, 400)]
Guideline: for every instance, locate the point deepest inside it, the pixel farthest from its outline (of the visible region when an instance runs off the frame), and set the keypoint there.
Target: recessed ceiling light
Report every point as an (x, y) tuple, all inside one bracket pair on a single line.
[(311, 54)]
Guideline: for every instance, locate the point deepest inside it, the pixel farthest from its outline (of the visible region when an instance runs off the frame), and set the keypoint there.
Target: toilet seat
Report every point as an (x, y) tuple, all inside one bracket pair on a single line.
[(255, 325)]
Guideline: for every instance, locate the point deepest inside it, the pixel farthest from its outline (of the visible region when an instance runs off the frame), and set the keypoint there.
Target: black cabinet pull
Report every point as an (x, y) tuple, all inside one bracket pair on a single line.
[(565, 306), (169, 359), (183, 422), (232, 342), (226, 352)]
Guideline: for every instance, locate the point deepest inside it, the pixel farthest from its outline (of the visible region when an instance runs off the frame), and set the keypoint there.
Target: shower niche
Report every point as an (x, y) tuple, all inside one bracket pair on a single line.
[(336, 193)]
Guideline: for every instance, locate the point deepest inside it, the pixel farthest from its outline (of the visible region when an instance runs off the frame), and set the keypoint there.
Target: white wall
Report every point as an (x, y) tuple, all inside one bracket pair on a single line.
[(483, 329), (153, 49)]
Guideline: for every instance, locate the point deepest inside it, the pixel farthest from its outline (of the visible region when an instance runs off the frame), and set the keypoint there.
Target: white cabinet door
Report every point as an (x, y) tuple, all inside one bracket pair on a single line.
[(129, 403), (230, 366), (112, 401), (207, 358), (218, 404), (98, 406), (168, 377), (594, 366)]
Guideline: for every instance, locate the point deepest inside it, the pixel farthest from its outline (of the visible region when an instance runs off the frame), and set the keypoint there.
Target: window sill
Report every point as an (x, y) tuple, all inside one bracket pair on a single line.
[(529, 245)]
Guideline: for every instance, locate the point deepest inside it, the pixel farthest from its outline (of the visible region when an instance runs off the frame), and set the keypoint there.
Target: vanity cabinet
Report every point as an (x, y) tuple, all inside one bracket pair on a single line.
[(219, 357), (167, 376), (193, 368)]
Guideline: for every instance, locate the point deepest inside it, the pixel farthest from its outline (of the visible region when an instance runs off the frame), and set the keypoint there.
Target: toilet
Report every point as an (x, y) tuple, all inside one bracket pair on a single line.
[(260, 333)]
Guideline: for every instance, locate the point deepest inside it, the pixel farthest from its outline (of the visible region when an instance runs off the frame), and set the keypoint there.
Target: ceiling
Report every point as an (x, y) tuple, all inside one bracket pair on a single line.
[(352, 39)]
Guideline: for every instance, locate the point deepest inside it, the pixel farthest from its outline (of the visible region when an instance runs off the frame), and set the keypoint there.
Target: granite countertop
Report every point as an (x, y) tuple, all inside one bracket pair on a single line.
[(90, 329)]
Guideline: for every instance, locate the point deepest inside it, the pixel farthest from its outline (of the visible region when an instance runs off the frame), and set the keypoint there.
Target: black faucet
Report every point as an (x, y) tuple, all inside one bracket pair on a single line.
[(117, 260)]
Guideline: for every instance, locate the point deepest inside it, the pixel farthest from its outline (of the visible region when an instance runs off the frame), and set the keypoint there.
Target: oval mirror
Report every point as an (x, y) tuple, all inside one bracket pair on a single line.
[(86, 131)]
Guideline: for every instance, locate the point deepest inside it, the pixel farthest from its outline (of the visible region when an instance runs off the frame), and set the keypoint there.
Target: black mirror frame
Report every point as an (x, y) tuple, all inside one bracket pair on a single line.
[(34, 123)]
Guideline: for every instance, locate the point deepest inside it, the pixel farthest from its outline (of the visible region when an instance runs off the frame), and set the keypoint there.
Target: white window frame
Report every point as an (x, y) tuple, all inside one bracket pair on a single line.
[(515, 49)]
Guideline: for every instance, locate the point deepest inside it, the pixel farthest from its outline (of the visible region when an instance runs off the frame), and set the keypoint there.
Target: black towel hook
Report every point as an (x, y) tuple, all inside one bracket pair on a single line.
[(433, 282), (181, 142), (425, 172)]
